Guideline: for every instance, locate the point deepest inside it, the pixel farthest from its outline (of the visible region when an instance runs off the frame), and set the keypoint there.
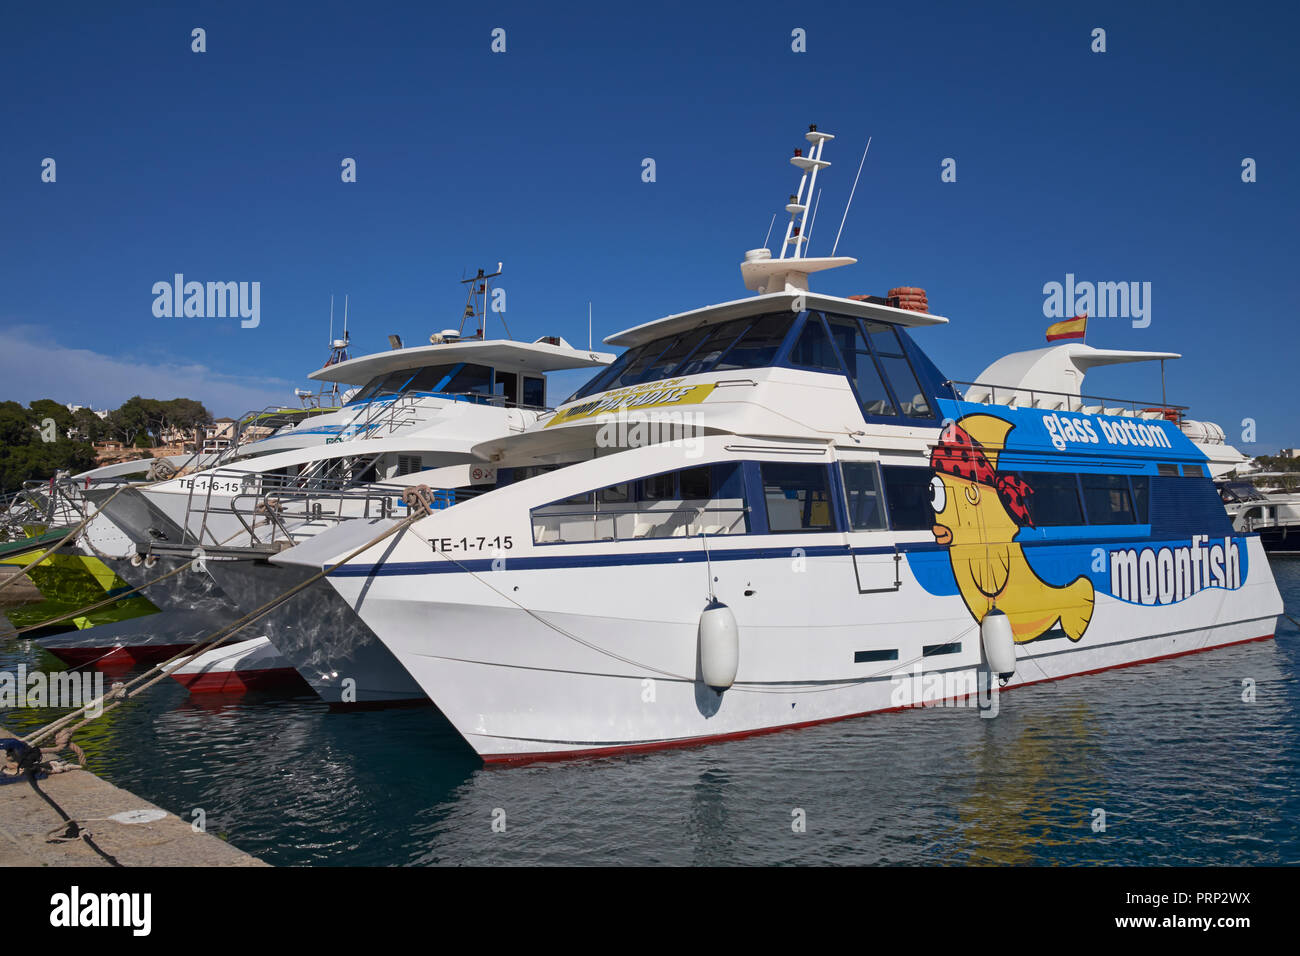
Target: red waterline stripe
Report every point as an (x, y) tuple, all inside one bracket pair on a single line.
[(592, 752), (237, 682)]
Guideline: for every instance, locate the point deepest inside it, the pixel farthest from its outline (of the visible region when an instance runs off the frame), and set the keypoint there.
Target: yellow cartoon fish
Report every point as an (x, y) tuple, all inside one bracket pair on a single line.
[(978, 513)]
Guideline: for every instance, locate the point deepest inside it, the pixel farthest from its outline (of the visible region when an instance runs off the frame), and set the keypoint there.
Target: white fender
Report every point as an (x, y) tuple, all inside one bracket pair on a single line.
[(999, 643), (719, 646)]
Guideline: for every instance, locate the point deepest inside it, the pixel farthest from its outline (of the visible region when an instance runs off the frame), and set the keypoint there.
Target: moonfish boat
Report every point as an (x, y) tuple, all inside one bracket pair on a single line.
[(777, 511)]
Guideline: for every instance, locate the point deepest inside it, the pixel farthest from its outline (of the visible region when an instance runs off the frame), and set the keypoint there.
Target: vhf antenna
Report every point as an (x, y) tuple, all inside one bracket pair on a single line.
[(476, 302)]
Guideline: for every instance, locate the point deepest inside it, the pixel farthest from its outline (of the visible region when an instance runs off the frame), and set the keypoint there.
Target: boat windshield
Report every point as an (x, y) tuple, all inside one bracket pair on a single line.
[(1231, 491), (891, 376), (455, 378)]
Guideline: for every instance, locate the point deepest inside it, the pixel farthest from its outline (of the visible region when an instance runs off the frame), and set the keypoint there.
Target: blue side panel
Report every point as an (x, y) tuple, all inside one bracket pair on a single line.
[(1182, 507), (1039, 436)]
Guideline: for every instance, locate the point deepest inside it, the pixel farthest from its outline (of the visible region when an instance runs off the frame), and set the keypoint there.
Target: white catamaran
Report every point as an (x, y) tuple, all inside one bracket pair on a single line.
[(777, 511)]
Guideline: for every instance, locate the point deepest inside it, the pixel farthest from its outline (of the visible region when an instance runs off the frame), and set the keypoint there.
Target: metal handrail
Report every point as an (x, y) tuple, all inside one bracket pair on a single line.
[(595, 515), (1073, 396)]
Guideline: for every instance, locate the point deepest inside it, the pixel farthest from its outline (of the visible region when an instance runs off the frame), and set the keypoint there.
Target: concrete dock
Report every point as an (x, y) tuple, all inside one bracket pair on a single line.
[(26, 822)]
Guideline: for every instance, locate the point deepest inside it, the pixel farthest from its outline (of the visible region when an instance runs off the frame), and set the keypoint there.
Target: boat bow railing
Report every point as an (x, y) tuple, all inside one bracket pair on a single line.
[(1020, 396)]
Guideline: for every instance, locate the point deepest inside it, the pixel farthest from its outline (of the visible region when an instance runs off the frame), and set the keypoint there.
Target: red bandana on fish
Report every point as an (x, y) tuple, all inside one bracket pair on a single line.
[(959, 454)]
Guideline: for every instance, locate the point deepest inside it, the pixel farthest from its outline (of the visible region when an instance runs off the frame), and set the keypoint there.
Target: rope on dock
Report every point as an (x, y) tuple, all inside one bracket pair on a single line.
[(26, 760), (120, 693)]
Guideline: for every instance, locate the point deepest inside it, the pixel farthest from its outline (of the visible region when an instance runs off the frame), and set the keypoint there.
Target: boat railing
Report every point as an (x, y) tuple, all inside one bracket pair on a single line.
[(267, 519), (633, 523), (985, 393)]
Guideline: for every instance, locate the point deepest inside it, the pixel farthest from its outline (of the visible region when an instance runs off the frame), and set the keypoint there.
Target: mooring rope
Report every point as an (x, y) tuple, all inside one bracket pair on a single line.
[(138, 685), (119, 596), (66, 538)]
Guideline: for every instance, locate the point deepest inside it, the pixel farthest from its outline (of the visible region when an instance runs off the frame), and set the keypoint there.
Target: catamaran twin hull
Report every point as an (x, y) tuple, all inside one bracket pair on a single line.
[(545, 626)]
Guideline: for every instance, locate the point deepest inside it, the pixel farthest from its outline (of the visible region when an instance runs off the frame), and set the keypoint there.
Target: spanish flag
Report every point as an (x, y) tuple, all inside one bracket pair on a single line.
[(1069, 329)]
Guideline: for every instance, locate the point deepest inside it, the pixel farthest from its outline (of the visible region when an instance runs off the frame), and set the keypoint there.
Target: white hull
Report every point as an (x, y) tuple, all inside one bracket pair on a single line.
[(517, 686)]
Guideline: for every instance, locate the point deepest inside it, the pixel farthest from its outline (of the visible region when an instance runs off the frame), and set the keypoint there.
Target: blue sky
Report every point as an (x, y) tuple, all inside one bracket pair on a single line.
[(225, 166)]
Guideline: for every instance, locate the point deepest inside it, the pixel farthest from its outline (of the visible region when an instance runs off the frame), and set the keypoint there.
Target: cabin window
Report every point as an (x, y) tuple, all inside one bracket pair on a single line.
[(862, 489), (615, 494), (469, 380), (907, 495), (709, 499), (608, 374), (1107, 499), (679, 348), (1193, 471), (872, 395), (813, 348), (798, 497), (710, 349), (1141, 485), (1167, 470), (902, 379), (758, 346), (507, 387), (382, 385), (427, 379), (534, 391), (1055, 499)]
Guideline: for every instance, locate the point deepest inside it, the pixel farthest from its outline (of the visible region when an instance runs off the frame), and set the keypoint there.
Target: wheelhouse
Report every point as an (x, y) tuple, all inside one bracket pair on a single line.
[(891, 377)]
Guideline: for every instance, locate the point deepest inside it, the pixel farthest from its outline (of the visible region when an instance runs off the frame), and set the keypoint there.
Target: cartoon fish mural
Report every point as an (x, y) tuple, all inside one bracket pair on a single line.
[(978, 513)]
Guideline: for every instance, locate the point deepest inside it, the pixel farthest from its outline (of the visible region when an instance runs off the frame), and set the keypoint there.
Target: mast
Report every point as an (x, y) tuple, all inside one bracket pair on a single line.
[(476, 303), (798, 205)]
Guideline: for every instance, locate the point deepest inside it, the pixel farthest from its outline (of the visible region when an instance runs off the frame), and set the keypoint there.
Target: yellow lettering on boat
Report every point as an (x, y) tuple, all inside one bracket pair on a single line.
[(657, 395)]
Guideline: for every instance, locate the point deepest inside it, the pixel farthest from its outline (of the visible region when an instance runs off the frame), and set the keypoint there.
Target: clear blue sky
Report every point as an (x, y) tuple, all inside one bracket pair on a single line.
[(1122, 166)]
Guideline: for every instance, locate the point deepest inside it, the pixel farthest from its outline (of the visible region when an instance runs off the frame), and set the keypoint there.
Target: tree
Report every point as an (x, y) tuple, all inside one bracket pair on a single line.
[(88, 426), (130, 420), (44, 408)]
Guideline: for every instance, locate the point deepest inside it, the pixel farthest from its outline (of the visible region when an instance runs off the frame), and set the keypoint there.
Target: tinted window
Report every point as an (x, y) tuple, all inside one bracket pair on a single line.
[(1107, 499), (907, 389), (1141, 498), (1193, 471), (862, 367), (862, 488), (907, 493), (813, 348), (1166, 469), (709, 499), (679, 348), (758, 346), (695, 482), (616, 368), (797, 497), (659, 487), (1055, 499), (713, 345), (470, 379), (534, 392), (906, 386)]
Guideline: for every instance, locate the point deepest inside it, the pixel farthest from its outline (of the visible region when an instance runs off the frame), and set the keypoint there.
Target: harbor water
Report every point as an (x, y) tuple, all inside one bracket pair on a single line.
[(1168, 763)]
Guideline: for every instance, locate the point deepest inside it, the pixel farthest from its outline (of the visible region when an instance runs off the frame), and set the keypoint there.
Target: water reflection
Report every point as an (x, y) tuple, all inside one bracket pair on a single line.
[(1185, 770)]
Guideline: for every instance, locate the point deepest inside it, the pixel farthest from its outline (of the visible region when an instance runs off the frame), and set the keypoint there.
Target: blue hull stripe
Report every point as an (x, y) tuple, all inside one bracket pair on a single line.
[(453, 565)]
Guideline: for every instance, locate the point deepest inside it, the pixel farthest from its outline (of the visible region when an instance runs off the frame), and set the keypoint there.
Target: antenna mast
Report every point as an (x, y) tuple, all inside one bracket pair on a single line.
[(476, 302), (798, 205)]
